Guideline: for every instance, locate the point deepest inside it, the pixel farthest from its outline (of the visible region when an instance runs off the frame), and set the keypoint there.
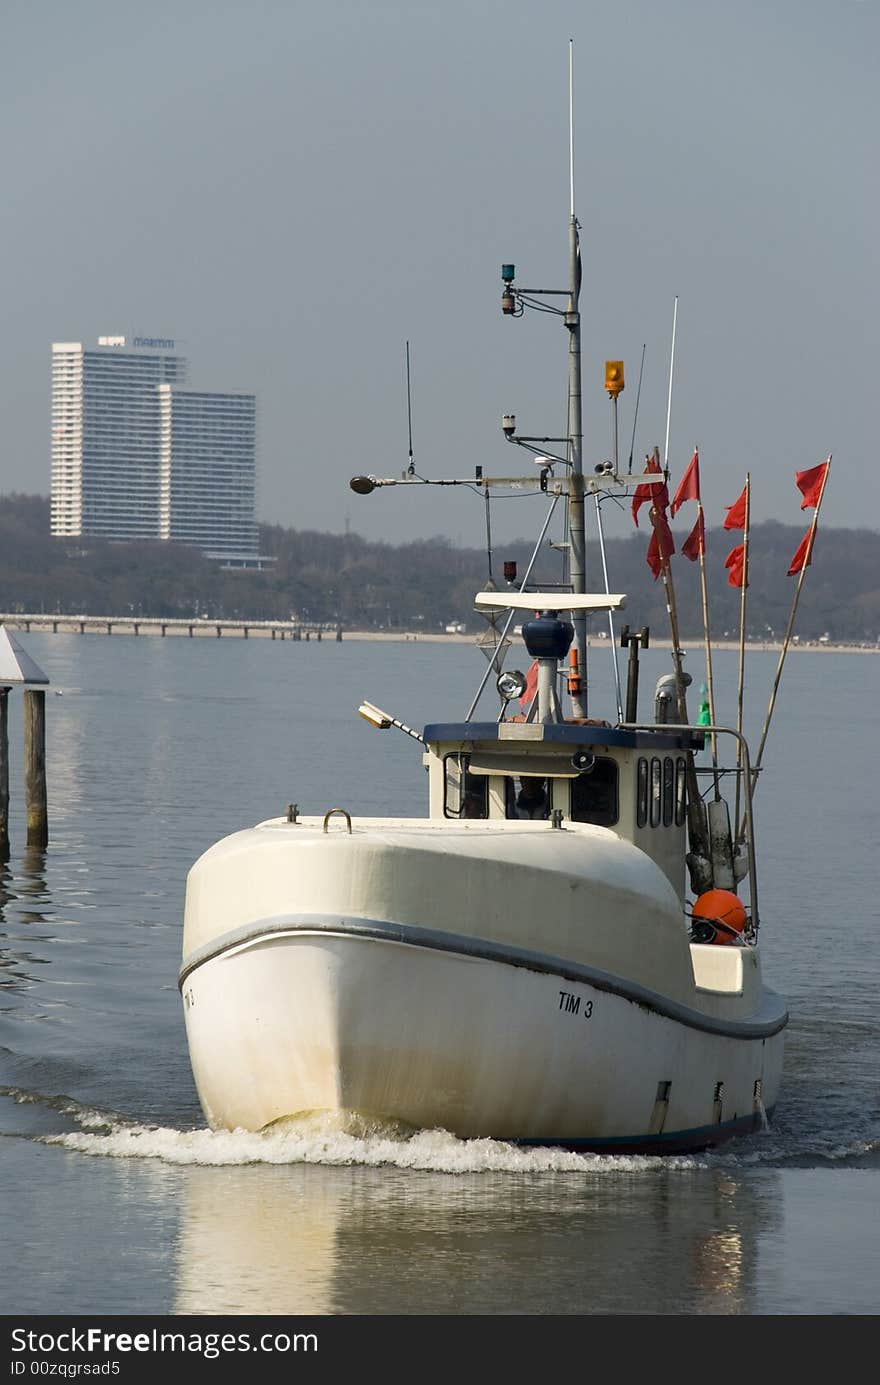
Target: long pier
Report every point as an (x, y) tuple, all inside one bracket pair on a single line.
[(191, 626)]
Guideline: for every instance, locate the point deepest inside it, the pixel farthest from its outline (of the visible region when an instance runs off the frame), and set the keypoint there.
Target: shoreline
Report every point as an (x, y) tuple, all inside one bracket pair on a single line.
[(236, 628), (687, 645)]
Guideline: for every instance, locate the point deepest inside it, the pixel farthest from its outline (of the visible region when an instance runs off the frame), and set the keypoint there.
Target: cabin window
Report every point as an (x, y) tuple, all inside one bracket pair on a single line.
[(527, 797), (594, 794), (668, 790), (656, 789), (680, 792), (465, 795), (642, 793)]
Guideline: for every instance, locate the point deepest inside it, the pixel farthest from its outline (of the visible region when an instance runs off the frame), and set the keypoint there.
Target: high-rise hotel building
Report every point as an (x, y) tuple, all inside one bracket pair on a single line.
[(207, 478), (137, 456)]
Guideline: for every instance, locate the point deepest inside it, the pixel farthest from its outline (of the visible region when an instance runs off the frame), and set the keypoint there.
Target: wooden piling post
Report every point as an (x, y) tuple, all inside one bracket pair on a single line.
[(4, 774), (35, 767), (18, 669)]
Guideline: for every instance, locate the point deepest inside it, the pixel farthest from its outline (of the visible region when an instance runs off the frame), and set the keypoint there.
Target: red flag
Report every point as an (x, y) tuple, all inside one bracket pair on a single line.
[(688, 487), (531, 685), (810, 483), (649, 492), (735, 561), (803, 557), (661, 545), (736, 513), (695, 543)]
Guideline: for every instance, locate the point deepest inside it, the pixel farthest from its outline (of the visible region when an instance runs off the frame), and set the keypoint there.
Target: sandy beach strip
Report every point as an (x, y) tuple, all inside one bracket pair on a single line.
[(424, 637)]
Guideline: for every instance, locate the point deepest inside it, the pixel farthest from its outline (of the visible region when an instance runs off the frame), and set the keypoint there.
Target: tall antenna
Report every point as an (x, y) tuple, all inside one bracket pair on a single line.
[(571, 122), (576, 537), (669, 401), (632, 442), (411, 469)]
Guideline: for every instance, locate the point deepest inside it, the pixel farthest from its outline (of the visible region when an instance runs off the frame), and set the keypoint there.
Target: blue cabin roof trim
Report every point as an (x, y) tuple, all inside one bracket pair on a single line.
[(565, 733)]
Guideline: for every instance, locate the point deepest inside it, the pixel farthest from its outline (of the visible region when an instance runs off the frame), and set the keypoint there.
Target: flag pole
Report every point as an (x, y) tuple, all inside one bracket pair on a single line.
[(698, 831), (708, 641), (669, 399), (671, 609), (756, 764), (742, 645), (689, 489)]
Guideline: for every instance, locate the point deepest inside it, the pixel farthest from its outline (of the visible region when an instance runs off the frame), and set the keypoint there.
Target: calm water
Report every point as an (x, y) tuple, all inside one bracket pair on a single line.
[(117, 1200)]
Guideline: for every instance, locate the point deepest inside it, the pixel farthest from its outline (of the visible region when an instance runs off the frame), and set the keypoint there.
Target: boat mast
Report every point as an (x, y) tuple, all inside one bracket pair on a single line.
[(576, 536)]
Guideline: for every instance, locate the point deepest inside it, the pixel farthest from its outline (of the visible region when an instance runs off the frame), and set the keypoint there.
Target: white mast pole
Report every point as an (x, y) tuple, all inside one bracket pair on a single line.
[(742, 645), (756, 765), (710, 687), (571, 124), (669, 399), (576, 535)]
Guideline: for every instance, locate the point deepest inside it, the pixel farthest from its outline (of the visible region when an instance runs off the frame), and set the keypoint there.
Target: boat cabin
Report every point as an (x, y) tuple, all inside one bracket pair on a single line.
[(634, 783)]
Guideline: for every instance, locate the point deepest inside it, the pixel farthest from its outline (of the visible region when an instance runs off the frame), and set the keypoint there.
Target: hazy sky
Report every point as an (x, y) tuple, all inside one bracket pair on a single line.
[(292, 190)]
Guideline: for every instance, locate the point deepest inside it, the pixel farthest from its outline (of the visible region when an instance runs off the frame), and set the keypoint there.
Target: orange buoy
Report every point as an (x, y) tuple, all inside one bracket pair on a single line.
[(724, 911)]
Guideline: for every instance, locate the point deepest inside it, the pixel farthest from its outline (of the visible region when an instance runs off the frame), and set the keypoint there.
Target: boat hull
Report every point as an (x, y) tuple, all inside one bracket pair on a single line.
[(434, 1031)]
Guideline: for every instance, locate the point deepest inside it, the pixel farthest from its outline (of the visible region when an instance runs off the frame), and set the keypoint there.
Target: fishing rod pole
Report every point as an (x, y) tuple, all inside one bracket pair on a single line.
[(811, 538), (411, 469), (572, 319), (632, 443), (707, 639), (740, 683), (669, 400)]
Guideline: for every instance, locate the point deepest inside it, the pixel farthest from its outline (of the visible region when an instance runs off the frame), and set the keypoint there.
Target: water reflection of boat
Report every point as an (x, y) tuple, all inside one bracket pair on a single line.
[(300, 1239), (257, 1241), (529, 974)]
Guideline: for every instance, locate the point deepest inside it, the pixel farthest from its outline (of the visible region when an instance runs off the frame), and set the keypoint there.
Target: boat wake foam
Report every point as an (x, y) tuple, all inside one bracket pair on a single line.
[(359, 1141), (313, 1141)]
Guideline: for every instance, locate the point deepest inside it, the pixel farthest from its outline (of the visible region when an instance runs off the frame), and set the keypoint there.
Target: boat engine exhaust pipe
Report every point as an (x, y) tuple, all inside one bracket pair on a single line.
[(634, 641), (666, 707)]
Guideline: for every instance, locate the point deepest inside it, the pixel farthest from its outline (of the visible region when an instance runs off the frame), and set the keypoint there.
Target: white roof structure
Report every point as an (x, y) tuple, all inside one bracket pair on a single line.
[(16, 665), (550, 601)]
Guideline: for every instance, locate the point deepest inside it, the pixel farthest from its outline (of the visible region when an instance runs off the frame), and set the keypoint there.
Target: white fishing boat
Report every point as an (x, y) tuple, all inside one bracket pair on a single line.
[(556, 953)]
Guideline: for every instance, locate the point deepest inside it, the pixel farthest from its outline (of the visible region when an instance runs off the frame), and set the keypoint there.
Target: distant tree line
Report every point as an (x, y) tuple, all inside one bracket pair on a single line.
[(423, 586)]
